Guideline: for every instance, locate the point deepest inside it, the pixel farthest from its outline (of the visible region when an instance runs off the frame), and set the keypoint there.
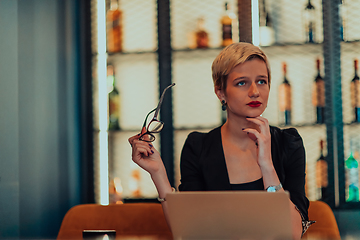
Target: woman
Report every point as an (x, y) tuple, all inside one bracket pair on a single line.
[(245, 153)]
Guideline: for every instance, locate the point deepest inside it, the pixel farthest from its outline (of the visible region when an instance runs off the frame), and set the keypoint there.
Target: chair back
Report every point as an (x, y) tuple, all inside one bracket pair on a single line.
[(129, 219), (325, 226)]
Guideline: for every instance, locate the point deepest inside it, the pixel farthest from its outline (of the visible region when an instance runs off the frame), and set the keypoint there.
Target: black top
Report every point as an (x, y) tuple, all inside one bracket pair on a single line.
[(203, 166), (255, 185)]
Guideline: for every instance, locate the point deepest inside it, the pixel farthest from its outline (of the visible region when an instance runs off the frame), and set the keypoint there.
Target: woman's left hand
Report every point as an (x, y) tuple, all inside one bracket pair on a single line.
[(262, 138)]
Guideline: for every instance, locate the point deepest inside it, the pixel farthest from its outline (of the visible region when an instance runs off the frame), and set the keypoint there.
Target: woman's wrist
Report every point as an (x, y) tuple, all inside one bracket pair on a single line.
[(161, 182), (266, 166), (159, 173), (163, 199), (270, 176)]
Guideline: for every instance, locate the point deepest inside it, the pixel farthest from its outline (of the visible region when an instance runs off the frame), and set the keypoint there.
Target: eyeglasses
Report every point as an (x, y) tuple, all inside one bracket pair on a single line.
[(155, 125)]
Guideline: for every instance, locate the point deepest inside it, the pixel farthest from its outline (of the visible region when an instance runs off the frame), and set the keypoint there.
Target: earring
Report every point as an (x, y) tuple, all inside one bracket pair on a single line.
[(223, 105)]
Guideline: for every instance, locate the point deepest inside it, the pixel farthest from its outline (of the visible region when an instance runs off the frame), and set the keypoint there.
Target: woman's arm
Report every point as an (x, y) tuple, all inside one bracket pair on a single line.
[(294, 170), (270, 177), (148, 158)]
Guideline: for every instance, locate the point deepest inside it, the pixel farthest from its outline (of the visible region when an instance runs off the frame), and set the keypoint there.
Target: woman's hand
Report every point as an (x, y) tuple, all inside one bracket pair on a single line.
[(262, 138), (145, 155)]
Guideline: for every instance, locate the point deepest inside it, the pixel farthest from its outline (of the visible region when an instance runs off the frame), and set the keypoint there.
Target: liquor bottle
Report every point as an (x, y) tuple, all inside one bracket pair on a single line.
[(266, 30), (356, 156), (355, 93), (202, 38), (227, 26), (114, 100), (285, 98), (309, 19), (114, 28), (322, 172), (352, 176), (318, 95)]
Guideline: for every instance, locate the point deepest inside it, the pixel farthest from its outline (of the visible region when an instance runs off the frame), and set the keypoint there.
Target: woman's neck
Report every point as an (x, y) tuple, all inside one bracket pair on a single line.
[(233, 129)]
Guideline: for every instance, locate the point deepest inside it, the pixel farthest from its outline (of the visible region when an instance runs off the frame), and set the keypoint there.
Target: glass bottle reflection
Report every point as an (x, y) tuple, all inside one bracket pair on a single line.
[(114, 100), (309, 20)]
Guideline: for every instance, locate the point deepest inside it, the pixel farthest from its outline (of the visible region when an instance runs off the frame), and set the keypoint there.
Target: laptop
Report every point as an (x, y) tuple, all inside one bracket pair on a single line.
[(99, 234), (229, 215)]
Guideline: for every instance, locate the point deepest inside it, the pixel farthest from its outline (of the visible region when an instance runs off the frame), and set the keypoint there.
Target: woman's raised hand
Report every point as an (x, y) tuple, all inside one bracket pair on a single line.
[(262, 138), (145, 155)]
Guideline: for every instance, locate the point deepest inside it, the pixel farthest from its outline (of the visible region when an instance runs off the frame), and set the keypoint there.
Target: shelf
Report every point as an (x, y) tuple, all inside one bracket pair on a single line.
[(352, 124), (211, 127), (300, 125), (127, 53), (198, 49), (293, 48), (120, 54), (175, 129), (128, 56), (276, 49), (307, 48), (183, 52)]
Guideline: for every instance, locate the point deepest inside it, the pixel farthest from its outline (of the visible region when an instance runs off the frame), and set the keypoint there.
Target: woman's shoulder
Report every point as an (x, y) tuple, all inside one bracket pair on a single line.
[(200, 138), (290, 134), (196, 135), (287, 138), (197, 141)]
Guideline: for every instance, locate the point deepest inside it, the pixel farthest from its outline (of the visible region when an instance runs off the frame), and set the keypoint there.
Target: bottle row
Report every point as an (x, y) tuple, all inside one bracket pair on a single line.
[(352, 180), (205, 34), (197, 39), (318, 95), (310, 19), (285, 97)]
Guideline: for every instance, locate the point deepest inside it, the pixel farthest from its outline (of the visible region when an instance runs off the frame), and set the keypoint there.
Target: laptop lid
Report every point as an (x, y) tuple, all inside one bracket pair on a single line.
[(99, 234), (229, 215)]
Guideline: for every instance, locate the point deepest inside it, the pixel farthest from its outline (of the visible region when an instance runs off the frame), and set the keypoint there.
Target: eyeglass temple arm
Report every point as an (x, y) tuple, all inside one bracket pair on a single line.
[(161, 99), (144, 125)]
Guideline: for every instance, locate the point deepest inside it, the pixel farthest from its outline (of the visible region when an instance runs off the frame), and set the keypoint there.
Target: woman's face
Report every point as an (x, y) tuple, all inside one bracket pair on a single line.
[(247, 89)]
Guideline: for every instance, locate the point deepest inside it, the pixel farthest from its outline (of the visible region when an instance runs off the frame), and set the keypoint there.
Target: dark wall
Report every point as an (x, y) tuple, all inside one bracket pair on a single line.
[(40, 162), (9, 120)]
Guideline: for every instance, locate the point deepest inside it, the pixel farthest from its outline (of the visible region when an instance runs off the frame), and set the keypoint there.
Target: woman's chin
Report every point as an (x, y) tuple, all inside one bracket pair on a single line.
[(256, 113)]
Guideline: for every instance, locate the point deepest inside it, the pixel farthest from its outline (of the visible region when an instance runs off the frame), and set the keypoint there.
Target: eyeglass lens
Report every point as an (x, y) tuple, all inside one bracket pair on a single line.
[(147, 137), (155, 126)]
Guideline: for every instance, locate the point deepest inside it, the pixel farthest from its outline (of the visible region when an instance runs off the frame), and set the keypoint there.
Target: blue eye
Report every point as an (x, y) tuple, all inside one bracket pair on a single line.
[(262, 82), (241, 83)]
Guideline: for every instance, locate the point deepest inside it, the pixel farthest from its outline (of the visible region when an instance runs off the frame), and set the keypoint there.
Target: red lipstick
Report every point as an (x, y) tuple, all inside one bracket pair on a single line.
[(254, 104)]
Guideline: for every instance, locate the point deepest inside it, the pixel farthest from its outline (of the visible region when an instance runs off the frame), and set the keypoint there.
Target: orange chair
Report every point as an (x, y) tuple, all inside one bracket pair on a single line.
[(129, 219), (325, 226)]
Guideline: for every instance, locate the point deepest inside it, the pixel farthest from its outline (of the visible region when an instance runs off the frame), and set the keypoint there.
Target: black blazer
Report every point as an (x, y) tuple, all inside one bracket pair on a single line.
[(203, 166)]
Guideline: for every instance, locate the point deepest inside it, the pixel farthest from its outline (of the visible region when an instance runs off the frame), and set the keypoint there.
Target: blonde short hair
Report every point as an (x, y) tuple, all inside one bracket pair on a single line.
[(230, 57)]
